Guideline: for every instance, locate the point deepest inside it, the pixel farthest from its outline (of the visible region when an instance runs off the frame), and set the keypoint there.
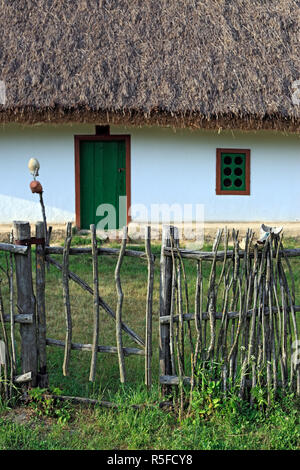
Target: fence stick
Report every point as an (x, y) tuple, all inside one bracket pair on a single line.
[(149, 301), (235, 297), (212, 298), (26, 304), (172, 308), (100, 349), (96, 304), (119, 307), (11, 305), (66, 297), (40, 306), (13, 360), (166, 267), (6, 357)]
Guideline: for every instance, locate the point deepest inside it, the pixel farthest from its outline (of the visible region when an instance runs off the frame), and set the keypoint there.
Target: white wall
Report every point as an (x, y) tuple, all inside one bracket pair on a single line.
[(181, 167), (53, 146), (166, 167)]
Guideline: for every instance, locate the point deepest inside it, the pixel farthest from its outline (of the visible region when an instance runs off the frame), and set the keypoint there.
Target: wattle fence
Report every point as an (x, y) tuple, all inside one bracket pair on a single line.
[(32, 307), (240, 327), (243, 329)]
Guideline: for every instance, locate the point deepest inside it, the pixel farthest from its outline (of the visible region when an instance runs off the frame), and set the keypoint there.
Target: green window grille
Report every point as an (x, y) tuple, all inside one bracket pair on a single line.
[(233, 171)]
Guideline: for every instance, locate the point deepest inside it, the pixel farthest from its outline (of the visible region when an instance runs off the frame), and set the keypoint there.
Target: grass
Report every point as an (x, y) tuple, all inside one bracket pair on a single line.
[(232, 426), (227, 424)]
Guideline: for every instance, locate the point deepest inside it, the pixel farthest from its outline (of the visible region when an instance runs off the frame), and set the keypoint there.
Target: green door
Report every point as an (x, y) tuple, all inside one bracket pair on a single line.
[(102, 181)]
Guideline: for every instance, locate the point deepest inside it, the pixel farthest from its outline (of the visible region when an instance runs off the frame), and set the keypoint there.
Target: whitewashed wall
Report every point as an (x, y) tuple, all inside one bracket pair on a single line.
[(53, 146), (166, 167), (169, 167)]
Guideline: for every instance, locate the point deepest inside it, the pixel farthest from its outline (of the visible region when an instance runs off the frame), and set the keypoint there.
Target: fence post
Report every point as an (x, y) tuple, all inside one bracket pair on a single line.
[(43, 380), (166, 269), (26, 303)]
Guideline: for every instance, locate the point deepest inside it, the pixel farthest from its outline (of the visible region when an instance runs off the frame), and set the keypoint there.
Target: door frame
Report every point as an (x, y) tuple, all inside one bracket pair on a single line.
[(101, 138)]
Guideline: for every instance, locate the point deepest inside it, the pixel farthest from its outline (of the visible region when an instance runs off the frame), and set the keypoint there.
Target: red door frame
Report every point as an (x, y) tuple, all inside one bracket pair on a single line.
[(100, 138)]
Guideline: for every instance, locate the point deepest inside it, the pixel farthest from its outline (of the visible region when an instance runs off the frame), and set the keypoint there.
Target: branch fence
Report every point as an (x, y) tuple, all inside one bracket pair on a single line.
[(244, 327), (240, 327)]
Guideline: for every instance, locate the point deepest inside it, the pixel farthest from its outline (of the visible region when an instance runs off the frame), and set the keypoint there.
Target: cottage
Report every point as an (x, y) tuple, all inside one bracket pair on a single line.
[(182, 107)]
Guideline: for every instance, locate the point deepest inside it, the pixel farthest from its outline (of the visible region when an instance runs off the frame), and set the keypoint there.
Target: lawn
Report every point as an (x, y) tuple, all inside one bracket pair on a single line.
[(230, 424)]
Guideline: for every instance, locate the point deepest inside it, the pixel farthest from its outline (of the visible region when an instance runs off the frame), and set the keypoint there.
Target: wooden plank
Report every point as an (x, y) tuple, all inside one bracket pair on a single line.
[(218, 315), (94, 402), (12, 312), (209, 256), (58, 250), (16, 249), (100, 349), (174, 380), (82, 401), (41, 306), (23, 378), (20, 318), (26, 303)]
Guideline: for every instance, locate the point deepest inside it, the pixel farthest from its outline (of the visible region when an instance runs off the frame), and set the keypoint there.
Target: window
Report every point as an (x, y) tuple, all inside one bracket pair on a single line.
[(233, 172)]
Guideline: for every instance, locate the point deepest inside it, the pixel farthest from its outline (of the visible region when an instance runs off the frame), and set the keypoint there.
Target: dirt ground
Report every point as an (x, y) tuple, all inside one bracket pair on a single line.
[(291, 229)]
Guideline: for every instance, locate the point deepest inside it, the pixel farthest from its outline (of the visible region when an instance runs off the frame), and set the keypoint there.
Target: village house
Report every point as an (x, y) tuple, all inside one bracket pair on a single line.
[(171, 104)]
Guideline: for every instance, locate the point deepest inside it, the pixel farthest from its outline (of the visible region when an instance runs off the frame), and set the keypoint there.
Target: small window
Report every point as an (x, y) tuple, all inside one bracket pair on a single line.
[(233, 172)]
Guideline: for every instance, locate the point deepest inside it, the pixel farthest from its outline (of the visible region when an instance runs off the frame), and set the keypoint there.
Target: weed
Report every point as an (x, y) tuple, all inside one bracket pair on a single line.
[(48, 405)]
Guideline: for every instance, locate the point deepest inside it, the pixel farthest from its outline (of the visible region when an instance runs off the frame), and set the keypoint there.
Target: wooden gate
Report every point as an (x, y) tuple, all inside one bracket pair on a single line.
[(32, 307)]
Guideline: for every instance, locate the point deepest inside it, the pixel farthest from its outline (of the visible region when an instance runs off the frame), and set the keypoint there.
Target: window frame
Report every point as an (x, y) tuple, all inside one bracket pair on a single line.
[(224, 192)]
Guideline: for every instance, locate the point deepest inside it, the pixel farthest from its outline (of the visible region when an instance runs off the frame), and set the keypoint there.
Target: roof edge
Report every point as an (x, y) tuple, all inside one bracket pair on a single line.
[(193, 120)]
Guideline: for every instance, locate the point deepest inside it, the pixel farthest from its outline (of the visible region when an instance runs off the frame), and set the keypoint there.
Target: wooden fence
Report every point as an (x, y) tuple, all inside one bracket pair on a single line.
[(243, 328), (145, 346), (32, 308)]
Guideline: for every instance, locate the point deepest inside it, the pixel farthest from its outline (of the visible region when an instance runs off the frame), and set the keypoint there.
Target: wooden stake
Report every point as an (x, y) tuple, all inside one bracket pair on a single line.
[(41, 306), (149, 301), (96, 304), (66, 297), (26, 304), (119, 307), (166, 267)]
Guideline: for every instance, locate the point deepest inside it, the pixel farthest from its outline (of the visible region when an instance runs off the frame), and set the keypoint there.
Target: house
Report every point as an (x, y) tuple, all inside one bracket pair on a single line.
[(151, 108)]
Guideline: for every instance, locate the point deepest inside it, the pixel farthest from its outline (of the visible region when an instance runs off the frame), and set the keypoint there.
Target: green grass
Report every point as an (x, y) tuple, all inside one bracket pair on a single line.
[(232, 425)]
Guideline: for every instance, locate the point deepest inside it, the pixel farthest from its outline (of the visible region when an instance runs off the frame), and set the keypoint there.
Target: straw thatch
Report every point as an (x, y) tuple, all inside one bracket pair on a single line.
[(197, 63)]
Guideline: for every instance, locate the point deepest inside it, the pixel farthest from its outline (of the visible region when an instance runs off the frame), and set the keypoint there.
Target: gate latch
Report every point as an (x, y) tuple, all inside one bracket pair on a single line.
[(30, 241)]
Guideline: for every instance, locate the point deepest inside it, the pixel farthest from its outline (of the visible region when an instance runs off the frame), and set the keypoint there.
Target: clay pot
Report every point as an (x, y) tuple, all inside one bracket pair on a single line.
[(36, 187)]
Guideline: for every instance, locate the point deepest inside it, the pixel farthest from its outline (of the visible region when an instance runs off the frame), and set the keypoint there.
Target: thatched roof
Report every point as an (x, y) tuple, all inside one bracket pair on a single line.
[(198, 63)]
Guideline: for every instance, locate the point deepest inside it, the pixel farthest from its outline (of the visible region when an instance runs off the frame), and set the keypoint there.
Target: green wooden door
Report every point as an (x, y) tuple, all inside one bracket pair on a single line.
[(102, 181)]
